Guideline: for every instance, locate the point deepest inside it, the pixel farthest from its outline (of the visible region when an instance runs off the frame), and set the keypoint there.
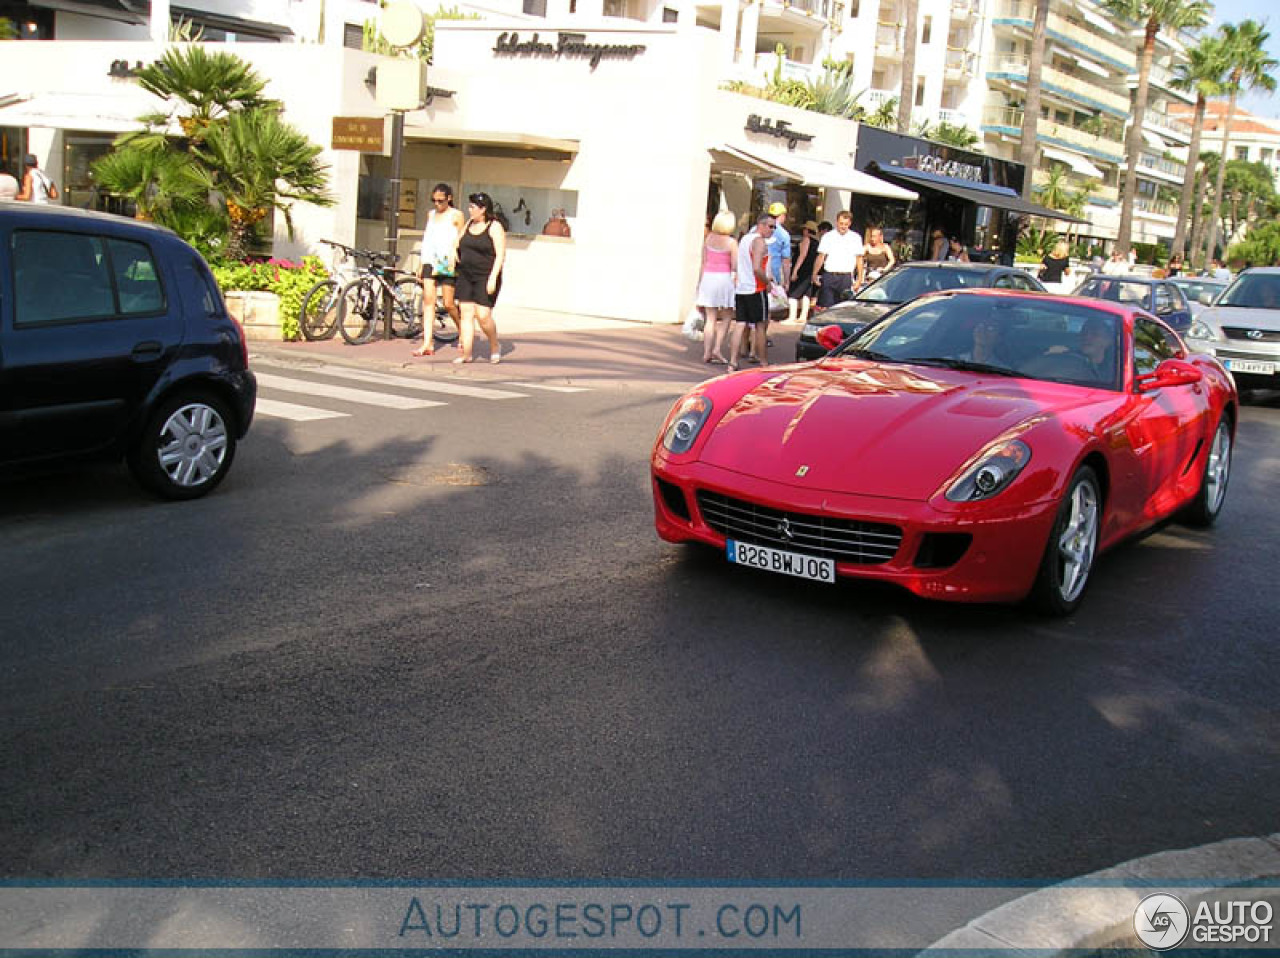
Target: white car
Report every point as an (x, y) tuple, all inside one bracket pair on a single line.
[(1242, 328)]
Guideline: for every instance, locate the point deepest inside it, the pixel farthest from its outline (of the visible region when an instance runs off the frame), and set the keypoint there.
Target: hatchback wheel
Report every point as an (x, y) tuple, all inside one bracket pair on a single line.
[(1072, 547), (186, 448)]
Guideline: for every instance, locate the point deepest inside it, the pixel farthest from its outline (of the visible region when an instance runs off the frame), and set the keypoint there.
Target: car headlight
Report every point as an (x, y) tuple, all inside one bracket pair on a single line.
[(992, 473), (685, 423), (1199, 329)]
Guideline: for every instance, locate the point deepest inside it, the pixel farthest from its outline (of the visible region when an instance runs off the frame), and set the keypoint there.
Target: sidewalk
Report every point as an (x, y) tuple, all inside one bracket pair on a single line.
[(545, 347)]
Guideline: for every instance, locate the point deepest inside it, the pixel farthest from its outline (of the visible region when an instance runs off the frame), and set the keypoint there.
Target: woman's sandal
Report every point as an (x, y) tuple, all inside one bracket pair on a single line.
[(423, 351), (463, 359)]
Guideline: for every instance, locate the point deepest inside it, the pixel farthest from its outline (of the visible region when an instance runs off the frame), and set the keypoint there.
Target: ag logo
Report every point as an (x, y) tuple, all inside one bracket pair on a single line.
[(1161, 921)]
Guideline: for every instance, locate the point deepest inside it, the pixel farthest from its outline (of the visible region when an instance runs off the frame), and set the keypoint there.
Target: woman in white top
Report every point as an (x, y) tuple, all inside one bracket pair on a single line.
[(438, 256), (37, 187)]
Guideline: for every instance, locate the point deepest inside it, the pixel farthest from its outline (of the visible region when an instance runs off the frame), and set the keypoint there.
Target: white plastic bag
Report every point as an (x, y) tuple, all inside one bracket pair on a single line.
[(692, 329)]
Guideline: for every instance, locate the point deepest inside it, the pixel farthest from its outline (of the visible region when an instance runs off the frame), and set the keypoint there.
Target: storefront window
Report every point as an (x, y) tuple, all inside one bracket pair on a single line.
[(78, 186), (526, 210)]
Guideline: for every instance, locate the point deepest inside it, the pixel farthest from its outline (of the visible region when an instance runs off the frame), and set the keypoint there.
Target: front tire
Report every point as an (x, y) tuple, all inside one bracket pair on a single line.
[(358, 312), (186, 447), (1072, 547), (406, 314), (1208, 502), (319, 317)]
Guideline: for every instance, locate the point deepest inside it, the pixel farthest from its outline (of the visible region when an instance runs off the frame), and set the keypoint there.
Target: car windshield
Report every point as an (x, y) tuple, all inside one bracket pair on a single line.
[(911, 281), (1253, 291), (1015, 336), (1115, 290)]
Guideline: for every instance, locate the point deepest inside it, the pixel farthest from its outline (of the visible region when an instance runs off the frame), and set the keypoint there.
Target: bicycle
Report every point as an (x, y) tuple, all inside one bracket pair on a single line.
[(360, 301), (319, 315)]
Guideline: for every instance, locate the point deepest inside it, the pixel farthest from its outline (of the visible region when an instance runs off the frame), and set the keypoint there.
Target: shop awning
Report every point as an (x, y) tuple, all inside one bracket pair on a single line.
[(1101, 22), (499, 138), (1153, 139), (94, 112), (815, 172), (996, 197), (1073, 160)]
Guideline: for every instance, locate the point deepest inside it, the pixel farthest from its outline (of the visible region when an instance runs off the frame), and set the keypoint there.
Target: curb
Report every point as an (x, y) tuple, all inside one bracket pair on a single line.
[(1097, 910)]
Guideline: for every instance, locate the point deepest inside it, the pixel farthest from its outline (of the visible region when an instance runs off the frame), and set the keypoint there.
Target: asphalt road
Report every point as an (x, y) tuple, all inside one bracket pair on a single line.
[(446, 643)]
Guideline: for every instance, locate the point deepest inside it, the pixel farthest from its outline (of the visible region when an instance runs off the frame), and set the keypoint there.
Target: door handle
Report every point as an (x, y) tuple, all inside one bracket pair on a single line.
[(148, 351)]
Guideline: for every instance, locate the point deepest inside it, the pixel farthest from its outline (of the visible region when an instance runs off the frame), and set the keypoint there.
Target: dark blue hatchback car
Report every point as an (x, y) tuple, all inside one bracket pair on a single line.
[(1158, 296), (115, 341)]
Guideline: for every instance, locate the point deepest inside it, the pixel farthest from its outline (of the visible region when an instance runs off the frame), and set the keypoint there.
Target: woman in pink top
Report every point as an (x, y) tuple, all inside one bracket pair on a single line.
[(715, 285)]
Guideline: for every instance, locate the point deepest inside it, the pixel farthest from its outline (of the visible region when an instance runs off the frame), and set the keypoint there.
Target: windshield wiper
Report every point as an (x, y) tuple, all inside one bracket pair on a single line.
[(967, 365), (869, 354)]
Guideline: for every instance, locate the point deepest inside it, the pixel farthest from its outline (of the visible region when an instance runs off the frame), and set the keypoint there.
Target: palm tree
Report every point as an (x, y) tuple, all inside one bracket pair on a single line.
[(1031, 106), (259, 162), (1157, 15), (1199, 216), (1250, 67), (884, 116), (210, 85), (1202, 73), (1054, 192), (907, 95), (159, 181)]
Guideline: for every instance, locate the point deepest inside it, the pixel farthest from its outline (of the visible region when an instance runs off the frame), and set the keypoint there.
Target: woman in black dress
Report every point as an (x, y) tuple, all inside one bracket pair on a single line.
[(482, 248), (800, 293)]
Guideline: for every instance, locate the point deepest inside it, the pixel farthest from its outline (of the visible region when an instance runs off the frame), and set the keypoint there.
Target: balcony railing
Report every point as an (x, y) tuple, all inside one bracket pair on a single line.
[(1168, 124), (1144, 204), (961, 62), (1170, 167), (888, 39), (1105, 138), (1070, 87), (953, 117), (1074, 32), (829, 10), (963, 8), (1096, 190)]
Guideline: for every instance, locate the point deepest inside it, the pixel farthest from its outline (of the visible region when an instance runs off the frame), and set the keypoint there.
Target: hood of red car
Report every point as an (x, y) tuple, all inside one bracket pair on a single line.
[(894, 431)]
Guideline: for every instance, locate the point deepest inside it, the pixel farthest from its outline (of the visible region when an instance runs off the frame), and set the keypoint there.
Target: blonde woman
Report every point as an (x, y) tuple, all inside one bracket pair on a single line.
[(878, 254), (1054, 268), (715, 286)]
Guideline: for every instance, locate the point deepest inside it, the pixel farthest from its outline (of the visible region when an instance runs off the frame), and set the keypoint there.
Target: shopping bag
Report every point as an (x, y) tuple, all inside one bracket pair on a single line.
[(692, 329)]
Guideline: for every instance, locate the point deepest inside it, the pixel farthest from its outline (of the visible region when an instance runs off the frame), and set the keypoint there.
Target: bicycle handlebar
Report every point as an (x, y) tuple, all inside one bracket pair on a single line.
[(374, 257)]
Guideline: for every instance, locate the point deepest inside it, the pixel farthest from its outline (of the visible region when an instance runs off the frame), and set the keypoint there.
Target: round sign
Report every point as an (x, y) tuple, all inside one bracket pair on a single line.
[(401, 23)]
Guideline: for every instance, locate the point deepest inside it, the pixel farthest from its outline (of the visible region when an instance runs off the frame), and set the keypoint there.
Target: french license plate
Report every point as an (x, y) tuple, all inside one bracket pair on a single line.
[(775, 560), (1251, 366)]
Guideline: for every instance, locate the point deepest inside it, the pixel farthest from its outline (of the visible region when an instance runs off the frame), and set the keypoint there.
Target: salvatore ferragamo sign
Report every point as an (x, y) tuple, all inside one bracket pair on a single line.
[(567, 45), (779, 128)]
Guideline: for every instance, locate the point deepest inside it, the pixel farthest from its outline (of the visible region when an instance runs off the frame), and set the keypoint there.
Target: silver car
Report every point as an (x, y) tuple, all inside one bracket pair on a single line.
[(1242, 328), (1200, 291)]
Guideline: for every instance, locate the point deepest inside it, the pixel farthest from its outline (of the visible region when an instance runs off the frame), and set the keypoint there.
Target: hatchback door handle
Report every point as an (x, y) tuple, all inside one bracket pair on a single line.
[(148, 351)]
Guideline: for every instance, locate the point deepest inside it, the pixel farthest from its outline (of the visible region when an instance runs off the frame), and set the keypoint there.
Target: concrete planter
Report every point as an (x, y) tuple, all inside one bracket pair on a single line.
[(258, 312)]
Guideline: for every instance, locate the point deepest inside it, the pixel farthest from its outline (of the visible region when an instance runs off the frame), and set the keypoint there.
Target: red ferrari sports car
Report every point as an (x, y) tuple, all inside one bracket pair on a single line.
[(977, 446)]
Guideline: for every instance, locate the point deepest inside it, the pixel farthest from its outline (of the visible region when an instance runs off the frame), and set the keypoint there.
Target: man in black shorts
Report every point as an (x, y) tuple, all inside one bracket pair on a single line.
[(751, 296)]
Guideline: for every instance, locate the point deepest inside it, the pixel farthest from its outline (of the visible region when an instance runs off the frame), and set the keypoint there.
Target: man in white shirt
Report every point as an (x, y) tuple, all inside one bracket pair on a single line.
[(839, 264), (1117, 265)]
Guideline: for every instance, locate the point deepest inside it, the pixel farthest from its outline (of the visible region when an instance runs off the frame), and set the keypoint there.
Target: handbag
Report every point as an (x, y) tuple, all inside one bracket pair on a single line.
[(693, 323)]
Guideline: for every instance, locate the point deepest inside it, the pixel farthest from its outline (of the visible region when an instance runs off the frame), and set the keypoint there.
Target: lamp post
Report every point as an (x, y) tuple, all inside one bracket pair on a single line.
[(401, 86)]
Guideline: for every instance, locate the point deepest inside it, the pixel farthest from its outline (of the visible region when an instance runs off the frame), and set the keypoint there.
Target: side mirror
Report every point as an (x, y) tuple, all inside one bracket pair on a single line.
[(1171, 372), (829, 337)]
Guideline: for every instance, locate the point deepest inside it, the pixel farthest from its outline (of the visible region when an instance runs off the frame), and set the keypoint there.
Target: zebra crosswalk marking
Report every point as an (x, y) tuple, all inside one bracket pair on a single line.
[(287, 410), (407, 382), (548, 388), (330, 391)]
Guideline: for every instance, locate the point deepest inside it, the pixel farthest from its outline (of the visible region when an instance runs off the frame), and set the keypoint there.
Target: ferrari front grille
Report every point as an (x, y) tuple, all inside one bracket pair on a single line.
[(844, 540)]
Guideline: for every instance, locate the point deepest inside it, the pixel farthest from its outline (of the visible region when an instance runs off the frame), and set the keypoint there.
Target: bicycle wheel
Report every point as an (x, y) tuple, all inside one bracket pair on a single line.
[(443, 329), (319, 317), (406, 311), (358, 311)]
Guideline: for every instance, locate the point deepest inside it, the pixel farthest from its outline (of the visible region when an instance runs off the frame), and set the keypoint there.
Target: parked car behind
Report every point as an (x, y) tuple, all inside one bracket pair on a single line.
[(1159, 296), (1200, 291), (903, 284), (115, 342), (1242, 328)]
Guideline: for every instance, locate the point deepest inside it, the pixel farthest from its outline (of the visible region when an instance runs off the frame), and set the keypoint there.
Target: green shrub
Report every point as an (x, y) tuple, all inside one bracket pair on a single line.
[(290, 281)]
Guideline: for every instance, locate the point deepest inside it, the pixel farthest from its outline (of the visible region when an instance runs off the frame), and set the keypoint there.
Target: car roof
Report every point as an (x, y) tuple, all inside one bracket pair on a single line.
[(49, 214), (1127, 278), (1105, 305), (1263, 270)]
